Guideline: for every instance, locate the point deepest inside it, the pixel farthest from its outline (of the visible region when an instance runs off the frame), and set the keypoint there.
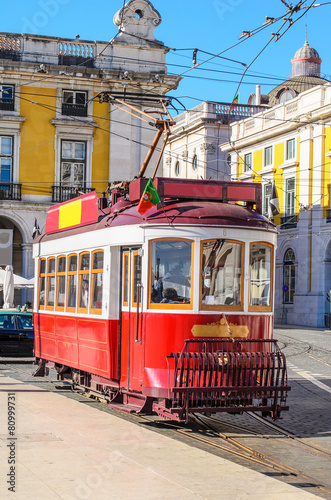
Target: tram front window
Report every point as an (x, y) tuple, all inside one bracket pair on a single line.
[(221, 273), (171, 272)]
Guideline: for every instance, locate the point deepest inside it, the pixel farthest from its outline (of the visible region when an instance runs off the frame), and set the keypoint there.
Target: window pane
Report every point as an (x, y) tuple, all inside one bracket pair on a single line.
[(61, 266), (260, 275), (51, 265), (61, 291), (6, 145), (78, 174), (85, 262), (98, 260), (72, 290), (42, 282), (80, 98), (68, 97), (80, 150), (73, 263), (7, 92), (42, 267), (171, 272), (221, 273), (125, 279), (84, 291), (248, 162), (51, 291), (97, 280), (67, 149), (136, 275)]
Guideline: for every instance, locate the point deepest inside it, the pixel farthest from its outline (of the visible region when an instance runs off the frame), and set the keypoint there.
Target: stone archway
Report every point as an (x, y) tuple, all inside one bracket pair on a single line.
[(327, 283), (17, 253)]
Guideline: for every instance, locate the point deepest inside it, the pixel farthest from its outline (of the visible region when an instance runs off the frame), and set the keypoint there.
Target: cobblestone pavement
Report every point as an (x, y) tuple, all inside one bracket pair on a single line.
[(308, 354)]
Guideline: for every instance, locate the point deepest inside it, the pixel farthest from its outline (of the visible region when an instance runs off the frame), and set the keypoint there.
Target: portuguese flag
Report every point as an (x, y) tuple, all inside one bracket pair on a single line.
[(234, 102), (149, 198)]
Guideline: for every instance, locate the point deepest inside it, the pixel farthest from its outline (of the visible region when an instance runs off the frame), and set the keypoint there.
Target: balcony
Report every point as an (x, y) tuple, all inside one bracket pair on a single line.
[(9, 191), (7, 104), (289, 221), (74, 109), (65, 193)]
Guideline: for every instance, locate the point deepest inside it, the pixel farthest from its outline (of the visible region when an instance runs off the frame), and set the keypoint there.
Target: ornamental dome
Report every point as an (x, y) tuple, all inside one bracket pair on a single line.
[(306, 52), (306, 62)]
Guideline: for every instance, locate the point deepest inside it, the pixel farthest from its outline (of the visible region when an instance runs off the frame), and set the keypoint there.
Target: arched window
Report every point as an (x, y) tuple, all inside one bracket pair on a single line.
[(288, 276), (177, 169), (195, 162)]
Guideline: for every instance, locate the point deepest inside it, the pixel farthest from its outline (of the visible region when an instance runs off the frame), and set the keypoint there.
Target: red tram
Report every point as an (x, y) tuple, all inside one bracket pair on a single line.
[(170, 312)]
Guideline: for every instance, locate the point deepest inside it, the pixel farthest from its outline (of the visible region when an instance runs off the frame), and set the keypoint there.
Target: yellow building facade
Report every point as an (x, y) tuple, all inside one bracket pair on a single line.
[(289, 146), (57, 137)]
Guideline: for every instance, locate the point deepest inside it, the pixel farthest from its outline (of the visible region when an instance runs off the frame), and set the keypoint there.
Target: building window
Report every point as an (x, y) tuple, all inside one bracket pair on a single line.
[(285, 96), (267, 191), (177, 169), (290, 149), (268, 156), (195, 162), (248, 162), (6, 158), (7, 97), (74, 103), (73, 164), (290, 196), (288, 276)]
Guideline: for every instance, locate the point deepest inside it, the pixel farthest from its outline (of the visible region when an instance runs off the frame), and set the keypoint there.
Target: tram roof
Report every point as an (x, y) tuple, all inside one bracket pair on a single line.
[(172, 213)]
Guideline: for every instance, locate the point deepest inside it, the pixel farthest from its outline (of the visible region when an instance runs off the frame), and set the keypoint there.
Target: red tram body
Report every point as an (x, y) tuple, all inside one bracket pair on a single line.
[(170, 312)]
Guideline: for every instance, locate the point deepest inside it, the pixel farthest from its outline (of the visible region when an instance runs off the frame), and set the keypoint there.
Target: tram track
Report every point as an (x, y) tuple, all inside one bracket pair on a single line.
[(267, 452)]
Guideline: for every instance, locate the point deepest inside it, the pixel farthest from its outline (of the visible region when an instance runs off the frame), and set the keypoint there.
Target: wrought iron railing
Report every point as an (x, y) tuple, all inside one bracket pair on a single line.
[(7, 104), (289, 221), (10, 191), (65, 193), (74, 109)]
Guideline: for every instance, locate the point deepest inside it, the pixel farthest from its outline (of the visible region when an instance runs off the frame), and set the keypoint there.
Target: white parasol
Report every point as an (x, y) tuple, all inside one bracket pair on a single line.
[(8, 288)]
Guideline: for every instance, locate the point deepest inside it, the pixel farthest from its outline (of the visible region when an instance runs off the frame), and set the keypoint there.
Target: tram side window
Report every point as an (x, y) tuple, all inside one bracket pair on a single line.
[(97, 281), (50, 283), (72, 283), (61, 282), (84, 282), (222, 274), (171, 268), (260, 275), (42, 283)]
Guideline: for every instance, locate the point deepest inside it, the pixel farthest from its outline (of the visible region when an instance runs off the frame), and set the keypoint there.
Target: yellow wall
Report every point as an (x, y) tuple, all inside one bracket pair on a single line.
[(100, 156), (326, 168), (37, 154)]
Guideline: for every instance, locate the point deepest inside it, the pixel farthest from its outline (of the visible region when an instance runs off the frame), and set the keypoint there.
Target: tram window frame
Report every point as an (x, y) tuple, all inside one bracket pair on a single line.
[(135, 278), (125, 274), (266, 308), (59, 275), (51, 276), (70, 274), (82, 273), (41, 278), (160, 305), (95, 272), (223, 307)]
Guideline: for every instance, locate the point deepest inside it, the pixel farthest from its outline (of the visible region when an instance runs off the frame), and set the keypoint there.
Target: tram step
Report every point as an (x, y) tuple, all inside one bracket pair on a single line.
[(128, 408)]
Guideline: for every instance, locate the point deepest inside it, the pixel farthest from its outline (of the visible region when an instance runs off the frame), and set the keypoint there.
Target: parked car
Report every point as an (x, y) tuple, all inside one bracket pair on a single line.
[(16, 333)]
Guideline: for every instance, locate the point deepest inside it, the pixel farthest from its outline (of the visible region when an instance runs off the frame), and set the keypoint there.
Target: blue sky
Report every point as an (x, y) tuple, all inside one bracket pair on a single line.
[(209, 25)]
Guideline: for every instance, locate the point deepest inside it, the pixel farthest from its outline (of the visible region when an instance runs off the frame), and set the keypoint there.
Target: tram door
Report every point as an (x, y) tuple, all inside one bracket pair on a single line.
[(131, 321)]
